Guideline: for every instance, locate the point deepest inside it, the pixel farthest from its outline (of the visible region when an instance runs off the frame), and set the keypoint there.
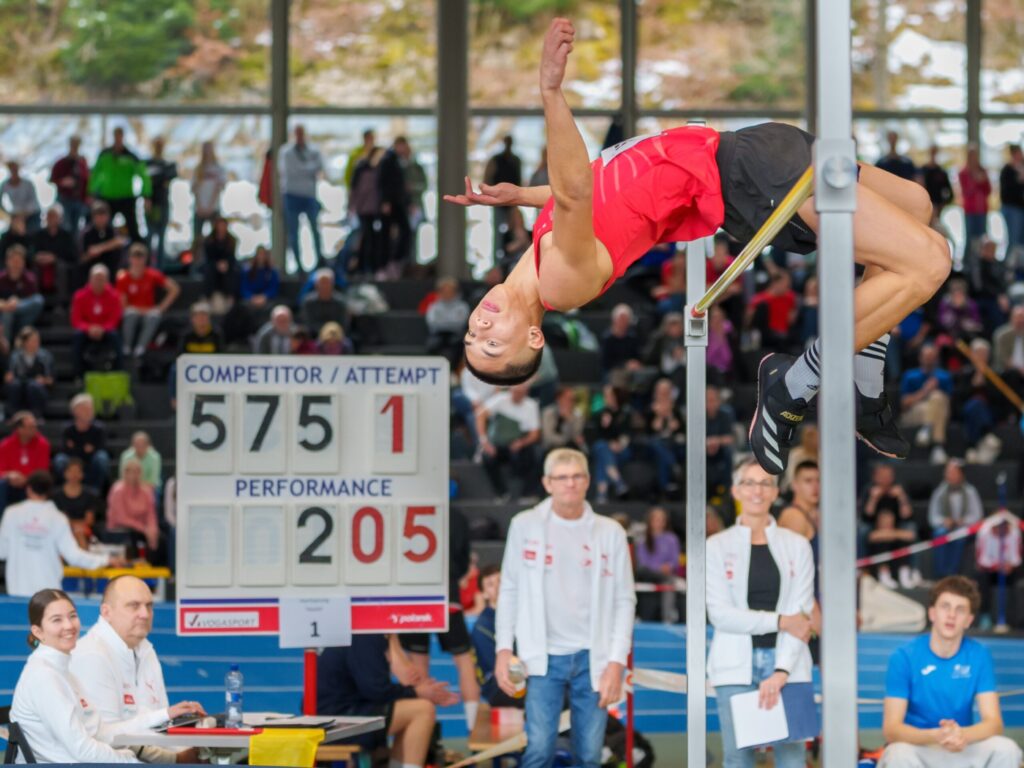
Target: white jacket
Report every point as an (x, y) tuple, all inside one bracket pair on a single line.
[(730, 661), (126, 687), (59, 721), (521, 613), (34, 536)]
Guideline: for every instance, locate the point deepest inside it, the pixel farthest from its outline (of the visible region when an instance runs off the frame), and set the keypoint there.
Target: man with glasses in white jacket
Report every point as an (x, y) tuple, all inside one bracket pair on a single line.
[(567, 601), (119, 672)]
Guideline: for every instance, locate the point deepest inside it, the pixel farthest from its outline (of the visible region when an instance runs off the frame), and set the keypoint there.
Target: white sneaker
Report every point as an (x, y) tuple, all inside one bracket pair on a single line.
[(988, 449), (923, 437), (938, 455), (886, 580), (906, 577)]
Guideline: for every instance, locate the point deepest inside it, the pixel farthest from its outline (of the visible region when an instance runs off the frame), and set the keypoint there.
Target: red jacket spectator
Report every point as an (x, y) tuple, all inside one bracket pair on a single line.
[(25, 458), (140, 292), (71, 168), (975, 189), (781, 309), (89, 308)]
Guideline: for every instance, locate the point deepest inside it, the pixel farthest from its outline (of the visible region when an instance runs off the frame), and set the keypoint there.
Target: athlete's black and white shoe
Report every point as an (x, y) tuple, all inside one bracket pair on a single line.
[(773, 428), (876, 427)]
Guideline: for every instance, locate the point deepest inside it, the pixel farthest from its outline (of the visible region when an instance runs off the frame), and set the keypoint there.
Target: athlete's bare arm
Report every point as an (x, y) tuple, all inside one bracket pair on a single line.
[(502, 195)]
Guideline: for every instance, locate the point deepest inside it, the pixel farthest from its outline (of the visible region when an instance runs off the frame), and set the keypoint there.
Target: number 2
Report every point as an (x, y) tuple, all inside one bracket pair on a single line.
[(308, 554)]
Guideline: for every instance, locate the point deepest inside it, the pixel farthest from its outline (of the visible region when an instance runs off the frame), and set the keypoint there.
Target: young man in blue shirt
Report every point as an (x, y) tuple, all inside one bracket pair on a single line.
[(931, 688)]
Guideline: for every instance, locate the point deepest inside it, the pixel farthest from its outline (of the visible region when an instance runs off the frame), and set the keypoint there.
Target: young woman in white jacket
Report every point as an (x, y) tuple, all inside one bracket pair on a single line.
[(58, 721), (760, 593)]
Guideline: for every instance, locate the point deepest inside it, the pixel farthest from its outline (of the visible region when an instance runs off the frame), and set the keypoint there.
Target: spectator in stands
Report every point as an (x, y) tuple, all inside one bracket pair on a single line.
[(70, 174), (275, 337), (82, 504), (208, 182), (302, 344), (1008, 353), (975, 189), (885, 537), (355, 680), (670, 292), (137, 287), (101, 244), (18, 196), (761, 622), (141, 449), (158, 205), (120, 674), (803, 515), (86, 438), (29, 376), (925, 394), (95, 317), (508, 425), (49, 703), (562, 423), (772, 313), (807, 449), (611, 443), (446, 320), (894, 162), (131, 506), (572, 626), (299, 167), (202, 338), (721, 439), (333, 341), (56, 255), (989, 287), (982, 405), (999, 557), (16, 234), (884, 494), (932, 686), (364, 202), (484, 639), (20, 300), (505, 166), (364, 150), (22, 452), (394, 208), (721, 339), (657, 562), (220, 266), (34, 536), (620, 345), (666, 436), (415, 185), (954, 504), (1011, 197), (958, 313), (113, 181), (936, 182), (261, 280), (666, 350), (325, 304)]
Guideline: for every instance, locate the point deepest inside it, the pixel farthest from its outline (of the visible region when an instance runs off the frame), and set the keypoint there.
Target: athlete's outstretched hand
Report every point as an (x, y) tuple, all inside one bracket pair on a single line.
[(557, 47), (489, 194)]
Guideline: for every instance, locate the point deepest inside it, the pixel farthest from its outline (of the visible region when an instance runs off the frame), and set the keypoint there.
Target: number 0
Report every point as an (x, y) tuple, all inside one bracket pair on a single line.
[(378, 535)]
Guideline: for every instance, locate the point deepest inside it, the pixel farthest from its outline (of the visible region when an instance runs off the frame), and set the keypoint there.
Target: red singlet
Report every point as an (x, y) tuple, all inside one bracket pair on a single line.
[(661, 188)]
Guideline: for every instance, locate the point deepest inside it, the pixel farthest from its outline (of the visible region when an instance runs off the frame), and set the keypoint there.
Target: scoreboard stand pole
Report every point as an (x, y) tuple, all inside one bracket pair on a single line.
[(309, 687)]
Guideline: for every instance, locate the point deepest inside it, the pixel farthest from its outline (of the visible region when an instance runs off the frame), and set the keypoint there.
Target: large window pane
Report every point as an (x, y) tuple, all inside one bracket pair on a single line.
[(1002, 71), (356, 53), (504, 52), (711, 53), (340, 140), (214, 51), (909, 54)]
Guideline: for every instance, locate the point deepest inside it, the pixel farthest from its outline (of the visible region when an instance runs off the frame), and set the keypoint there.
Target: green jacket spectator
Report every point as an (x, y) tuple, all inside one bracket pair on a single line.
[(143, 452), (113, 176)]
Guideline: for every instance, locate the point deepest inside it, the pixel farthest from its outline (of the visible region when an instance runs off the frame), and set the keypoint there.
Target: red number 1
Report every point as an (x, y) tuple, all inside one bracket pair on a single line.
[(396, 403)]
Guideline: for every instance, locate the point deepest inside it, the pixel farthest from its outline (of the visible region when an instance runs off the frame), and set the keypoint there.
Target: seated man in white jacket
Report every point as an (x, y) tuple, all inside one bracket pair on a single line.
[(760, 595), (567, 602), (119, 672), (35, 535)]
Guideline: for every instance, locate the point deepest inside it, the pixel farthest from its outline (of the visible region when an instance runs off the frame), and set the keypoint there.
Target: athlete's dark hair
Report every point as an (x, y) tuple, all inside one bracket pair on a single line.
[(37, 606), (513, 373), (808, 464)]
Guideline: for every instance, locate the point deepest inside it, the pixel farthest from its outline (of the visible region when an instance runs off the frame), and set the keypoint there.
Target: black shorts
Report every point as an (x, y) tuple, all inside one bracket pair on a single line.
[(758, 166), (455, 641), (374, 739)]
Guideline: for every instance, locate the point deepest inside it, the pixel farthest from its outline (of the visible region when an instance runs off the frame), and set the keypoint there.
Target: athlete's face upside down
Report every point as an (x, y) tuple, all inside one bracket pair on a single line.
[(501, 345)]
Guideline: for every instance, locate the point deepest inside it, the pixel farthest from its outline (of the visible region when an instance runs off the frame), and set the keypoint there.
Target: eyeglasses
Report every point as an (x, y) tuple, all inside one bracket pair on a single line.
[(766, 484), (579, 477)]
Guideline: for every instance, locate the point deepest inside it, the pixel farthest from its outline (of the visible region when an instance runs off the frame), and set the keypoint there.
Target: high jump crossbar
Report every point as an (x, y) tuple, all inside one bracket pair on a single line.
[(786, 210)]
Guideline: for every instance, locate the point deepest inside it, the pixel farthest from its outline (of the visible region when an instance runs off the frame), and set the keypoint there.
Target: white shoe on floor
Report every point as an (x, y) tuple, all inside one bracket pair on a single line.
[(886, 580), (938, 455), (923, 437), (906, 577)]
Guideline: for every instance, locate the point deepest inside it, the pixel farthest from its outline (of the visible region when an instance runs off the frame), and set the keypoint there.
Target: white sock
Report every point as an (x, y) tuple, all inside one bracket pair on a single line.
[(470, 708), (804, 378), (400, 764), (869, 368)]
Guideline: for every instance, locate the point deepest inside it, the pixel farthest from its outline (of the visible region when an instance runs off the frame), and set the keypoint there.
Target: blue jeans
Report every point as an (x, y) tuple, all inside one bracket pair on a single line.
[(25, 313), (300, 205), (975, 227), (76, 214), (668, 454), (946, 559), (1014, 216), (978, 420), (605, 458), (787, 754), (544, 697)]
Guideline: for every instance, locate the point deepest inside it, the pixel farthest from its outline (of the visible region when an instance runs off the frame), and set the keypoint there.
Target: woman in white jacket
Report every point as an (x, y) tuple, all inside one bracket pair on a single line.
[(760, 593), (59, 723)]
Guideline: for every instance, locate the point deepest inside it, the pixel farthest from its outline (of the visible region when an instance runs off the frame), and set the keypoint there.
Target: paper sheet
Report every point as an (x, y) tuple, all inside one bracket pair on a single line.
[(755, 726)]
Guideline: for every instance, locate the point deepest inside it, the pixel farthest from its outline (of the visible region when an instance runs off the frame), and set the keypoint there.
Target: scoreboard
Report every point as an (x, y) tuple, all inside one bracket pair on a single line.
[(311, 477)]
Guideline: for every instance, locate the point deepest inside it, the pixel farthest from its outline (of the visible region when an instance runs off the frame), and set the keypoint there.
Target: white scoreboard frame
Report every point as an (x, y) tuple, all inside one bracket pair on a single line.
[(311, 477)]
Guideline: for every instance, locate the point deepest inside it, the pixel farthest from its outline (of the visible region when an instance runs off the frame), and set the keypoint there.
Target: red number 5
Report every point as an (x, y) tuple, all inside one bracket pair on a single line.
[(412, 530)]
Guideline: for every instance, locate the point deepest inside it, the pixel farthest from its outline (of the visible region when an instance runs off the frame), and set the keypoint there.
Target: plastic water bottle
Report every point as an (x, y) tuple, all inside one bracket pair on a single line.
[(233, 681), (517, 676)]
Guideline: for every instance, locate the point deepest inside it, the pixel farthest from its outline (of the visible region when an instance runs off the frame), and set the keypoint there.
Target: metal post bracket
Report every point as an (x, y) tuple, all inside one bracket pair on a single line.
[(696, 328), (835, 178)]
